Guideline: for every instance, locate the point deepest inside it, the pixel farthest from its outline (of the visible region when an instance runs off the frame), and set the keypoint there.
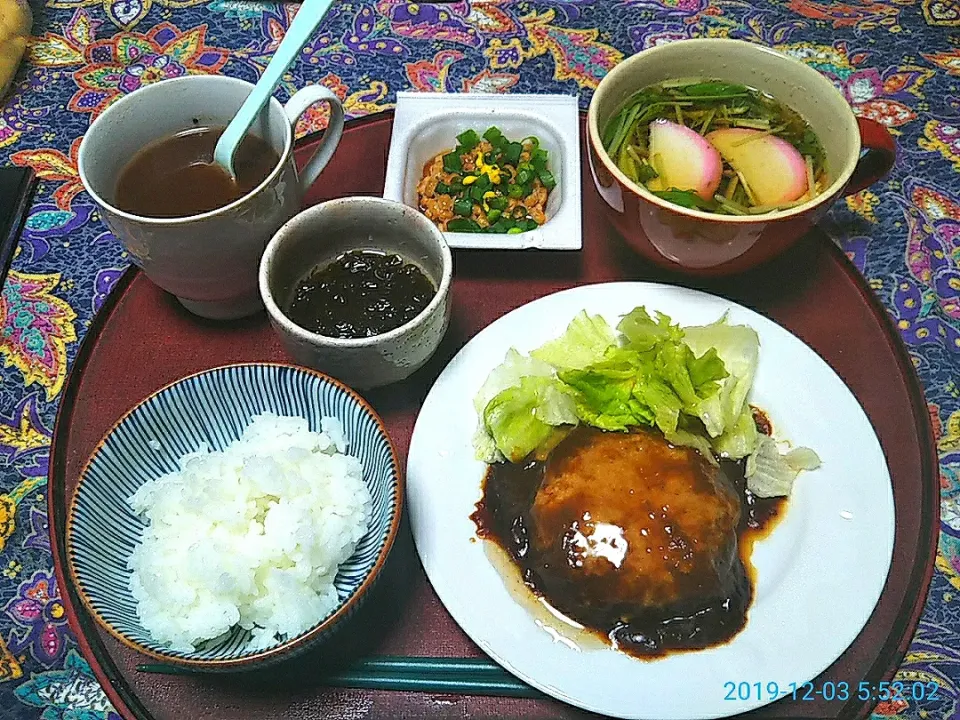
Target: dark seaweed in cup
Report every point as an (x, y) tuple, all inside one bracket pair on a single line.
[(360, 294)]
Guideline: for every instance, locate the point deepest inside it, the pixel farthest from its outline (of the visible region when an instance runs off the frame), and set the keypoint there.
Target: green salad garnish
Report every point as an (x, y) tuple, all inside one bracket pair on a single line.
[(690, 383)]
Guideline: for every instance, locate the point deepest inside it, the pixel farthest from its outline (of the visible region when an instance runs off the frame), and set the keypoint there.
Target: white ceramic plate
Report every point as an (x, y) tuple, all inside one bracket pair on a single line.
[(819, 573)]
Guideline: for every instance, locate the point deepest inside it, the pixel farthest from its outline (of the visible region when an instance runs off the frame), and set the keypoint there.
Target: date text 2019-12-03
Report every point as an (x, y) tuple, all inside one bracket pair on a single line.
[(840, 691)]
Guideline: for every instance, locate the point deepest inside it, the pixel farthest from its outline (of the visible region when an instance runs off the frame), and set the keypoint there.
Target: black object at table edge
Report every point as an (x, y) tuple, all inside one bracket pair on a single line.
[(17, 186)]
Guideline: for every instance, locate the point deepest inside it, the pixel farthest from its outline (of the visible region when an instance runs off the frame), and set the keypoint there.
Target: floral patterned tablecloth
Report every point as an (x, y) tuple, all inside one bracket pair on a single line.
[(896, 61)]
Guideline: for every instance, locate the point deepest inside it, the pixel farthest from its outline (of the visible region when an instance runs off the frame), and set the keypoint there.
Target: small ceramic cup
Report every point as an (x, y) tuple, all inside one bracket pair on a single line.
[(208, 261), (701, 243), (322, 233)]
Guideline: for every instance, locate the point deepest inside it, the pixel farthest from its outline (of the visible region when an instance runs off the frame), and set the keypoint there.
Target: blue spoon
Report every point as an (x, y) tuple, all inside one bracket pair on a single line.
[(301, 30)]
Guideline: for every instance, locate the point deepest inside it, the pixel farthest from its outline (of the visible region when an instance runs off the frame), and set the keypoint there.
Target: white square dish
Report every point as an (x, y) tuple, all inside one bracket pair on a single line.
[(426, 124)]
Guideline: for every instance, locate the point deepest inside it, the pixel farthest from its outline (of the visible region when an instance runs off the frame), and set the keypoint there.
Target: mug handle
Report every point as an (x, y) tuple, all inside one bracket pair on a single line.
[(877, 161), (297, 106)]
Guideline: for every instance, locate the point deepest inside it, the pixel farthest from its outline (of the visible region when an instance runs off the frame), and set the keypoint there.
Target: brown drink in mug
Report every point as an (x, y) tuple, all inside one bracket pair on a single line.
[(196, 232)]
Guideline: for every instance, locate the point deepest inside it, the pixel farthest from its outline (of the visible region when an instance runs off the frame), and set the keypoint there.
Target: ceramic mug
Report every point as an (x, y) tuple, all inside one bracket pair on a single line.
[(702, 243), (208, 261)]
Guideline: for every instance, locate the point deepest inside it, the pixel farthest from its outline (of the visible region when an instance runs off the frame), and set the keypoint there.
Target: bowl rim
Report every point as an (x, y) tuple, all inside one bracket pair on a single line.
[(291, 645), (277, 314), (814, 78)]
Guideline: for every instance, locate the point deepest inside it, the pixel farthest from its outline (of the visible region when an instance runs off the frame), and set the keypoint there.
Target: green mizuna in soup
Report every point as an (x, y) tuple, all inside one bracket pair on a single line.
[(716, 146)]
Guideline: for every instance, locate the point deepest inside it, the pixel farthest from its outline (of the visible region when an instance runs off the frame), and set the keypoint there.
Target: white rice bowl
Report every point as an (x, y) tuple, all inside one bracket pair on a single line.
[(250, 536)]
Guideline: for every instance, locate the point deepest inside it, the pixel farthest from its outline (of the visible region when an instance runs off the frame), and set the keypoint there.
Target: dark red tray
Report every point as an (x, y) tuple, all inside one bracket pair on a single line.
[(142, 340)]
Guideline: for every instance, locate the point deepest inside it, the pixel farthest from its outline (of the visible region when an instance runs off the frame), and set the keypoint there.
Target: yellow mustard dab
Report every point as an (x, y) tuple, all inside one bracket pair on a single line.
[(491, 171)]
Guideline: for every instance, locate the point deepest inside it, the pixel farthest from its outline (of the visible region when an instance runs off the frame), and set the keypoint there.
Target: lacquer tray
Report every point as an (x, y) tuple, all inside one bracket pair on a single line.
[(142, 340)]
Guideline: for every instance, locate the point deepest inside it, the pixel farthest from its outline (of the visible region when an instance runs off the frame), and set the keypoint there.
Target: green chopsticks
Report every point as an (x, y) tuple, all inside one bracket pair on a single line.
[(460, 676)]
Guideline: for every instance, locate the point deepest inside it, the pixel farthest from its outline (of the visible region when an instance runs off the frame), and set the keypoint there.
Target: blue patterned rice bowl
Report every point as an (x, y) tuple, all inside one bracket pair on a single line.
[(214, 407)]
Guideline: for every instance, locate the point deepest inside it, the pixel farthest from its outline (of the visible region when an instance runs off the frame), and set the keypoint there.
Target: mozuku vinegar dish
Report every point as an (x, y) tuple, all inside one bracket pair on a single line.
[(717, 147)]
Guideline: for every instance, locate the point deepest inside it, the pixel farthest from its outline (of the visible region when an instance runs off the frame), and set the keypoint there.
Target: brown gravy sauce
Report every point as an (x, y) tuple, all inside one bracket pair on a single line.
[(502, 518)]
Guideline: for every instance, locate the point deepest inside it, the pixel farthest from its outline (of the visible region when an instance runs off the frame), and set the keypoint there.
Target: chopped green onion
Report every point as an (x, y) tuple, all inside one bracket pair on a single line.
[(483, 182), (476, 193), (747, 189), (524, 176), (623, 124), (442, 188), (514, 231), (518, 212), (463, 225), (493, 215), (533, 141), (452, 163), (498, 203), (468, 139), (455, 188), (515, 191), (512, 153), (493, 135), (500, 226), (546, 177), (463, 207), (811, 180), (538, 158), (731, 187)]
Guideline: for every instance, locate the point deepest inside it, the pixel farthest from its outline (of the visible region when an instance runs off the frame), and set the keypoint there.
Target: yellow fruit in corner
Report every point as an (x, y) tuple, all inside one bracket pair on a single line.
[(16, 20), (8, 519)]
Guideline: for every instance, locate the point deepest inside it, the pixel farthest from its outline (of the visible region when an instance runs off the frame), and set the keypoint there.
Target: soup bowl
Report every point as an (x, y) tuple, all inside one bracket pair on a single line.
[(697, 242)]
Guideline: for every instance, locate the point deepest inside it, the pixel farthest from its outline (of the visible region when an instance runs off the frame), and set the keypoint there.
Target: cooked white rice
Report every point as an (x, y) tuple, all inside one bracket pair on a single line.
[(252, 535)]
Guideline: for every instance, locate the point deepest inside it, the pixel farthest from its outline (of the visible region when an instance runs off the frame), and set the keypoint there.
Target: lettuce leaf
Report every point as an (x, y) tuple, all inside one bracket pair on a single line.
[(740, 439), (523, 417), (685, 438), (660, 399), (770, 473), (604, 392), (738, 347), (518, 405), (585, 341), (693, 379), (507, 374), (641, 332), (485, 447), (653, 387)]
